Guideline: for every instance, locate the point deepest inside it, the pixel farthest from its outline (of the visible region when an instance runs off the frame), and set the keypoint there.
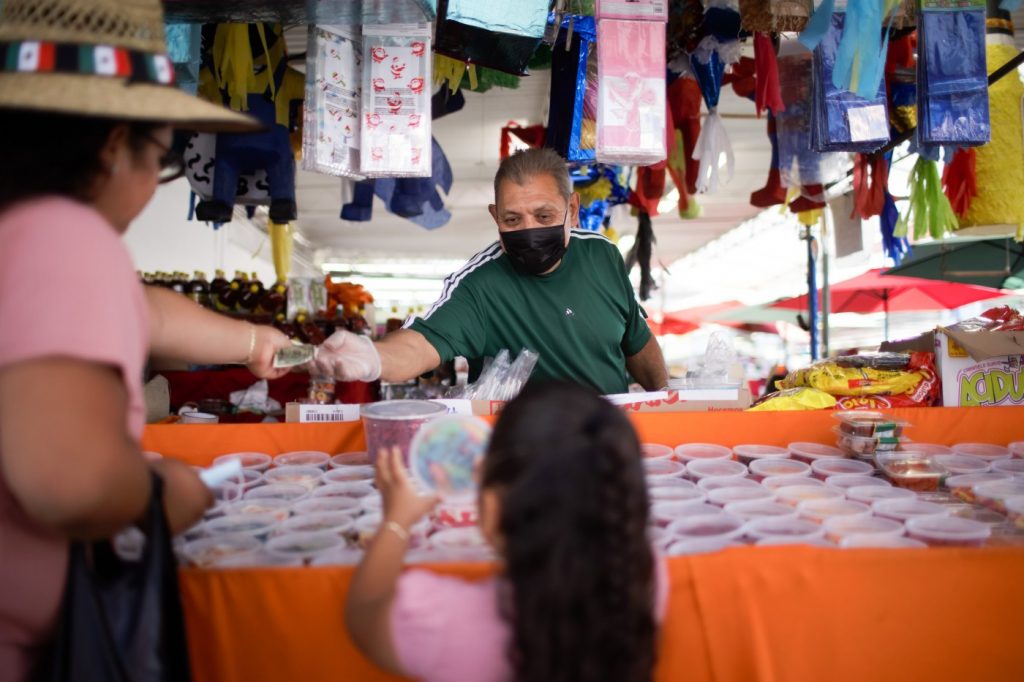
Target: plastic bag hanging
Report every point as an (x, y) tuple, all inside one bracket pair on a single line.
[(572, 115), (650, 10), (842, 120), (952, 92), (333, 106), (497, 34), (395, 135)]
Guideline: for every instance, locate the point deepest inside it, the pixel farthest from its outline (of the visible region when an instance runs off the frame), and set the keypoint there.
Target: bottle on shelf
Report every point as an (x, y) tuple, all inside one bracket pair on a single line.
[(394, 322), (282, 322), (309, 331), (217, 285), (199, 289), (252, 294), (274, 299)]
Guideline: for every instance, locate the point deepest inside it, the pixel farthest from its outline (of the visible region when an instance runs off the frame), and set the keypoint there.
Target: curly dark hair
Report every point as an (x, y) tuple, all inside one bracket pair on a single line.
[(579, 571), (49, 153)]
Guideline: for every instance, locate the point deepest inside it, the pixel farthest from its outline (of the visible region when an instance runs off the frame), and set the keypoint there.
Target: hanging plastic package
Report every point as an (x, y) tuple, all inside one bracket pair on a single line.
[(497, 34), (652, 10), (183, 51), (631, 92), (842, 120), (395, 127), (572, 115), (334, 90), (952, 93)]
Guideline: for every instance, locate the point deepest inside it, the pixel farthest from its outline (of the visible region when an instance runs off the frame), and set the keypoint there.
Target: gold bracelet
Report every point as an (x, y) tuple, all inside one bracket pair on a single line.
[(397, 529), (252, 344)]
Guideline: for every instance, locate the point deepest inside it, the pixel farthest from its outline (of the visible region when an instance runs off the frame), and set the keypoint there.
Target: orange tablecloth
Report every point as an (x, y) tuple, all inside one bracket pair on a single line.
[(751, 613)]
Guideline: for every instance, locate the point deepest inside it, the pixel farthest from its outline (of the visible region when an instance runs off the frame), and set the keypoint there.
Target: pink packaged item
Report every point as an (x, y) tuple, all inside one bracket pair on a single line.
[(641, 10), (630, 92)]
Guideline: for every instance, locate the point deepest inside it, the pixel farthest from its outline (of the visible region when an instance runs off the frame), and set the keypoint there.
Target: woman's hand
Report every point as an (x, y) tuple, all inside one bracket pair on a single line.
[(401, 503), (268, 340), (186, 497)]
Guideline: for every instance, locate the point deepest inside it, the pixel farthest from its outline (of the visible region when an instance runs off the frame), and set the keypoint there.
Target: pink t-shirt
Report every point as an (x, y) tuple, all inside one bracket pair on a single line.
[(446, 629), (67, 289)]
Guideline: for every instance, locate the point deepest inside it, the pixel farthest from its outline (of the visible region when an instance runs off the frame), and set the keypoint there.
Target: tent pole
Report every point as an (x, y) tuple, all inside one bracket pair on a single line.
[(812, 293), (826, 295), (885, 306)]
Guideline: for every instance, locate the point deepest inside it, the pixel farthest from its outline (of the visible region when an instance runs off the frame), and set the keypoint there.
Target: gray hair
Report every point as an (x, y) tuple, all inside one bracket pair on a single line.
[(523, 165)]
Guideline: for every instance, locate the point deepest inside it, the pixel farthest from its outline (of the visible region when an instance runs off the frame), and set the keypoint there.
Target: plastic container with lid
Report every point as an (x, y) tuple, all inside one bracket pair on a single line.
[(795, 530), (656, 451), (814, 542), (307, 477), (911, 471), (344, 556), (721, 526), (1014, 467), (1016, 448), (692, 451), (667, 482), (698, 546), (982, 514), (985, 451), (759, 509), (335, 522), (696, 510), (960, 464), (354, 458), (763, 468), (455, 514), (869, 494), (371, 503), (220, 550), (870, 424), (948, 531), (305, 546), (315, 505), (699, 469), (709, 483), (962, 487), (776, 482), (753, 452), (355, 489), (394, 423), (663, 513), (1015, 510), (823, 468), (446, 453), (303, 458), (839, 527), (663, 468), (729, 494), (930, 449), (461, 543), (819, 510), (365, 528), (659, 537), (847, 481), (995, 493), (880, 542), (809, 452), (903, 510), (795, 494), (865, 447), (257, 461), (281, 509), (283, 491), (348, 474), (254, 525), (668, 493)]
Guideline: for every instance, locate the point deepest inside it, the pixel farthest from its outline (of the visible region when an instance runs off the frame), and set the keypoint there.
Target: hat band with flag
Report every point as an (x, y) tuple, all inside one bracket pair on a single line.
[(38, 56)]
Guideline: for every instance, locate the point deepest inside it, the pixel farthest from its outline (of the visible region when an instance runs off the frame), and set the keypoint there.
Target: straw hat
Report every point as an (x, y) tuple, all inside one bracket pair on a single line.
[(104, 58)]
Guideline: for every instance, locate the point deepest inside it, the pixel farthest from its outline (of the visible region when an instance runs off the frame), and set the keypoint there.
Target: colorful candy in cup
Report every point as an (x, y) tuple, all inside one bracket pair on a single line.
[(962, 487), (371, 503), (663, 468), (809, 452), (864, 448), (1014, 467), (663, 513), (656, 451), (303, 458), (335, 522), (817, 511), (795, 494), (837, 528), (709, 483), (1016, 449), (776, 482), (253, 525), (667, 482), (693, 451), (995, 493), (904, 510), (763, 468), (796, 530), (394, 423), (316, 505), (748, 453), (257, 461), (675, 494), (942, 531), (446, 453), (1015, 510), (307, 477), (281, 509), (869, 424), (847, 481), (930, 449)]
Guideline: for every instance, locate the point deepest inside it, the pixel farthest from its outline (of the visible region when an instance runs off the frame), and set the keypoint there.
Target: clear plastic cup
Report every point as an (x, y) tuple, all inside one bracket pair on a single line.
[(303, 458), (817, 511), (904, 510), (880, 542), (748, 453), (698, 469), (253, 525), (394, 423), (316, 505), (776, 482), (335, 522), (281, 509), (257, 461), (869, 494), (847, 481), (720, 526), (698, 546), (667, 482), (759, 509), (839, 527), (671, 492), (962, 464), (664, 511), (354, 458), (218, 551), (249, 478), (283, 491), (763, 468), (694, 451), (656, 451), (985, 451), (1015, 510), (714, 482), (727, 495), (795, 494), (355, 489), (939, 531), (348, 474), (835, 466), (663, 468), (307, 477), (1014, 467), (808, 453), (995, 493), (962, 487), (796, 530), (305, 546)]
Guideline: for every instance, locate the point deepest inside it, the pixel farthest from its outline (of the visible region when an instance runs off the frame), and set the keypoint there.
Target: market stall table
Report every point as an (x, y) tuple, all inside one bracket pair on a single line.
[(768, 613)]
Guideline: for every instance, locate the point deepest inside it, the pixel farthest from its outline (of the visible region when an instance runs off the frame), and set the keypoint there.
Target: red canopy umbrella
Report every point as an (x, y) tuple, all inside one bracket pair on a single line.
[(690, 319), (875, 292)]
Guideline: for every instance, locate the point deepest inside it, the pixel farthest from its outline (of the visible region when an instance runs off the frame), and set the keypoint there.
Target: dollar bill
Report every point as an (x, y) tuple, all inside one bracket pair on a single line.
[(294, 356)]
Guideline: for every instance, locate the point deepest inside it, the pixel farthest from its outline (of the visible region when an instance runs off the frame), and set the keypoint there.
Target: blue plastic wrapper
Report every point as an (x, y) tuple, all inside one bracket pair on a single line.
[(840, 119), (952, 94), (799, 164), (709, 77), (572, 110), (497, 34)]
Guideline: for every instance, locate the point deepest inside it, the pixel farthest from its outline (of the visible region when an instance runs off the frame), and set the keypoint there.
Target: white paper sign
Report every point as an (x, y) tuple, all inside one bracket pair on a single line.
[(457, 406), (328, 413), (868, 123)]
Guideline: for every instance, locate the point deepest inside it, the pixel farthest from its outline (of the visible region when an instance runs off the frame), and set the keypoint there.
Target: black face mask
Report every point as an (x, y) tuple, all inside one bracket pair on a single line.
[(535, 250)]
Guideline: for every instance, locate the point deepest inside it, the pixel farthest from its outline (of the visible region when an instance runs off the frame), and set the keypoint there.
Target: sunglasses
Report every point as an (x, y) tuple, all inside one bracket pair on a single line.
[(172, 163)]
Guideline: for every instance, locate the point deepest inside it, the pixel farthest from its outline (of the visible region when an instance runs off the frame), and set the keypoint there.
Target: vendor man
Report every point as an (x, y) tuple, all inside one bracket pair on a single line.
[(558, 291)]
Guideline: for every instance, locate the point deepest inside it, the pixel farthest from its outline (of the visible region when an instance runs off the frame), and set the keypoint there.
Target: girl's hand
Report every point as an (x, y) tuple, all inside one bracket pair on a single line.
[(401, 503)]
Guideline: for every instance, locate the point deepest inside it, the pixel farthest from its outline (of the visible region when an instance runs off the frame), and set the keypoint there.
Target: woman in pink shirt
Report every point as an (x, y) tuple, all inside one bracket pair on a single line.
[(85, 142), (563, 502)]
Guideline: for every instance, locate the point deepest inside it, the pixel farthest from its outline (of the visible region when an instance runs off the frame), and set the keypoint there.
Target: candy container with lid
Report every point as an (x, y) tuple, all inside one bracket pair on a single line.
[(355, 489), (303, 458), (930, 449), (847, 481), (1016, 448), (823, 468), (910, 471), (258, 461), (668, 493), (307, 477), (868, 494), (748, 453), (819, 510), (903, 510), (394, 423), (981, 514), (304, 545), (839, 527), (783, 540), (796, 530), (985, 451), (880, 542), (960, 464), (1014, 467), (709, 483), (722, 526), (692, 451), (254, 525), (758, 509), (371, 503), (809, 452), (335, 522), (865, 447), (656, 451), (1015, 510), (283, 491), (776, 482), (763, 468), (698, 546), (795, 494), (667, 482), (699, 469), (354, 458), (658, 468), (280, 509), (728, 494), (869, 424), (446, 453), (948, 531), (962, 487), (663, 513), (348, 474), (995, 493), (315, 505), (217, 551)]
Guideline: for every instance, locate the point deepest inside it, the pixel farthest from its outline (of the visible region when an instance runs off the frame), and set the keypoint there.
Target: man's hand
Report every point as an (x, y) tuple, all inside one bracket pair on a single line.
[(268, 341), (348, 357)]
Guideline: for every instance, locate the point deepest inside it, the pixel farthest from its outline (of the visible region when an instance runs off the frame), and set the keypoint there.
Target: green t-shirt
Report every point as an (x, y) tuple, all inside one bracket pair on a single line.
[(582, 319)]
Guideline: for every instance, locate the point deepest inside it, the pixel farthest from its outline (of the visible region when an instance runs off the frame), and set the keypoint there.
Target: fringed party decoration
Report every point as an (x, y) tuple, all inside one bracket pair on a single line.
[(600, 188), (395, 135), (817, 25), (960, 180), (684, 98), (572, 106), (631, 92), (860, 57), (640, 255), (183, 48), (531, 136), (870, 180), (713, 144), (895, 247), (497, 34), (929, 213), (773, 193), (334, 91), (450, 72), (768, 95), (282, 236)]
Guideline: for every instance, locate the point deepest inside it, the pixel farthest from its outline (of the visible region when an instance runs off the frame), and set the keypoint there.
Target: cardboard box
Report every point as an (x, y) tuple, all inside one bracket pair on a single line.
[(695, 400), (980, 368)]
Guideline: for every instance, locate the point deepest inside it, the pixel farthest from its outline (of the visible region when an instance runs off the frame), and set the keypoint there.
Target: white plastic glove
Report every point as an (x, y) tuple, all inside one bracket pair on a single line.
[(348, 357)]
